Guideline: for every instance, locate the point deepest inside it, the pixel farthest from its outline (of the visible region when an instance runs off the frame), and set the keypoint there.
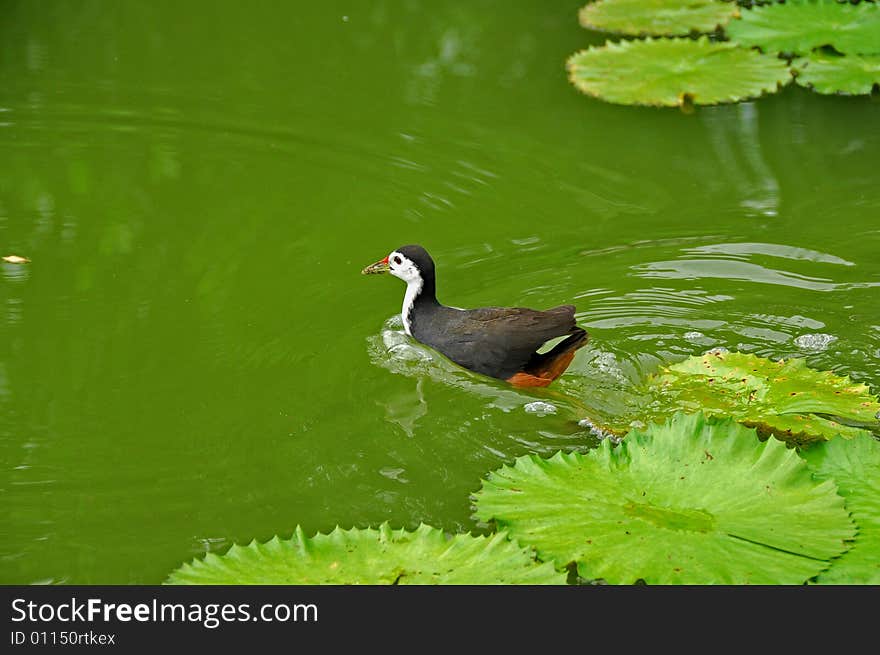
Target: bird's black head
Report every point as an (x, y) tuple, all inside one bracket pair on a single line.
[(406, 257)]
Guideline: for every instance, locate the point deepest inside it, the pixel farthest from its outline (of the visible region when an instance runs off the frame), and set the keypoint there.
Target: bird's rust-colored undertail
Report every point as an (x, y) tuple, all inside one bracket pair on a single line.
[(545, 368), (546, 375)]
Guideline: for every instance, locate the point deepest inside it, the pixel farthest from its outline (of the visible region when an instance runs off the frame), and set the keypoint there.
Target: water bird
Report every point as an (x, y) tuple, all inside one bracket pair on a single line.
[(499, 342)]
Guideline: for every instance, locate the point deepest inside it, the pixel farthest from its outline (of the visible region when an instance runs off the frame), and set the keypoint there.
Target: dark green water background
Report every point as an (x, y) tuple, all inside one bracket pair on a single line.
[(192, 357)]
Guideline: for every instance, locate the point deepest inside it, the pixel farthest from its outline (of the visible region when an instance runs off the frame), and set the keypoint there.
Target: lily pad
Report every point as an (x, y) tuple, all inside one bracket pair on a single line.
[(850, 74), (372, 556), (675, 72), (686, 502), (855, 466), (799, 26), (657, 17), (784, 398)]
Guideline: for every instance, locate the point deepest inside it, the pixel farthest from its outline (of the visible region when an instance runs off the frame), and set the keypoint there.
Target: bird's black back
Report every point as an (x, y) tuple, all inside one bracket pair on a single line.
[(494, 341)]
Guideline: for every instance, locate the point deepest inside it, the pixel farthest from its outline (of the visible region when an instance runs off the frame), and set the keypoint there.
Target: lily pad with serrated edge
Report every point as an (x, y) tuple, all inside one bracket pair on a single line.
[(799, 26), (372, 556), (855, 466), (657, 17), (784, 398), (675, 72), (849, 74), (687, 502)]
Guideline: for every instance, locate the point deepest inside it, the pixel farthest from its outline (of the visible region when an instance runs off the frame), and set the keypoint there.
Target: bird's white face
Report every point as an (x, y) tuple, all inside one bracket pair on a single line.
[(401, 266), (404, 268)]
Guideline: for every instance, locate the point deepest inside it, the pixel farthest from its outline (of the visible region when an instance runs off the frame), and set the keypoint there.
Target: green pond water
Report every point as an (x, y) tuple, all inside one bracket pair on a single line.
[(192, 358)]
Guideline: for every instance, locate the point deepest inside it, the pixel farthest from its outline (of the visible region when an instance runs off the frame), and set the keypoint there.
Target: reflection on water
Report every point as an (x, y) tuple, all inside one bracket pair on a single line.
[(737, 145), (456, 54), (405, 409)]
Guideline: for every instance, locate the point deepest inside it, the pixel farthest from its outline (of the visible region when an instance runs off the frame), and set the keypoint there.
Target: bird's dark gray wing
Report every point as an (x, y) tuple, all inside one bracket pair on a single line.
[(500, 341), (529, 327)]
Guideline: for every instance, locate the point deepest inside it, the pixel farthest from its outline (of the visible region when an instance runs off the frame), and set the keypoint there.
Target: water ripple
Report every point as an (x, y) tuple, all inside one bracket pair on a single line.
[(694, 269), (656, 306), (773, 249), (730, 261)]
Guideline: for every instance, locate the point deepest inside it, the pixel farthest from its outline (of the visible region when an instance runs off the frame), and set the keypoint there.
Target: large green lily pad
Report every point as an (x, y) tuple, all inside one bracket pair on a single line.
[(657, 17), (784, 398), (799, 26), (689, 502), (675, 72), (372, 556), (850, 74), (855, 466)]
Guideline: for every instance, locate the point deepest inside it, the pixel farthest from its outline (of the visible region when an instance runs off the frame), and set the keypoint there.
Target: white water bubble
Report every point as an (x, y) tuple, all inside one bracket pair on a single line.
[(597, 431), (540, 408), (608, 366), (814, 342)]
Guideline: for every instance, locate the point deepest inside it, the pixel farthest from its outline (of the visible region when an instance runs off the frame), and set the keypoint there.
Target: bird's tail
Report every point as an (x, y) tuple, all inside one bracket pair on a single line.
[(543, 368)]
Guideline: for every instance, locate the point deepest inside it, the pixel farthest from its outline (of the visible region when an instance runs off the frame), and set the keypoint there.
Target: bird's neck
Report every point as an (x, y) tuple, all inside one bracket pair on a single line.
[(419, 294)]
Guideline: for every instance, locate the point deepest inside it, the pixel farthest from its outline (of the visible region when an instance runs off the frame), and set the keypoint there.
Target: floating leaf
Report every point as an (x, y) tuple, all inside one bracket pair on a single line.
[(798, 429), (855, 466), (851, 74), (372, 556), (675, 72), (657, 17), (798, 26), (689, 502), (783, 398)]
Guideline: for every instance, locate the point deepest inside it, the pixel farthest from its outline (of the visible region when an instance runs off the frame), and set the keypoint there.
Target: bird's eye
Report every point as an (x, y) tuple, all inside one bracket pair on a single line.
[(396, 260)]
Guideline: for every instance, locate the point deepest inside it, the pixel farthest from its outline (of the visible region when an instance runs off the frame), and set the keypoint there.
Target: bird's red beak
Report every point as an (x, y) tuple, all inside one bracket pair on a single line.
[(380, 266)]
